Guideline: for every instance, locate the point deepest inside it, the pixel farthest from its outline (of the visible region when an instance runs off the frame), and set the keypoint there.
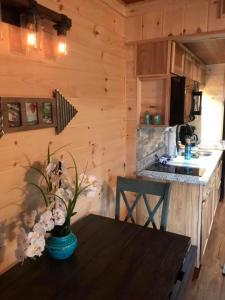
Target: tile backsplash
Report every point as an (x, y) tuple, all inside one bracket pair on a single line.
[(150, 141)]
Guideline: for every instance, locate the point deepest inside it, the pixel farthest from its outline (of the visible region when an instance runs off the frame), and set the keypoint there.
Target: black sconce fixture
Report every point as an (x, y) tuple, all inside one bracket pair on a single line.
[(28, 13)]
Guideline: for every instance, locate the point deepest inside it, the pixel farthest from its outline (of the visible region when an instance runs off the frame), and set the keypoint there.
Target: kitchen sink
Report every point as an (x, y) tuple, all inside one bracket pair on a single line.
[(204, 153), (201, 158), (198, 153)]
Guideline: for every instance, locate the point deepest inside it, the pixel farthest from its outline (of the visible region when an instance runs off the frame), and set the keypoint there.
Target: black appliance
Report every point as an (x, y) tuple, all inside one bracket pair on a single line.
[(185, 100), (177, 97), (185, 130)]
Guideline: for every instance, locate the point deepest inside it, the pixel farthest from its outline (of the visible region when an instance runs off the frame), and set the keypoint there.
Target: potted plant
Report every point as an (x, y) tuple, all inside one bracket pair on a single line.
[(50, 228)]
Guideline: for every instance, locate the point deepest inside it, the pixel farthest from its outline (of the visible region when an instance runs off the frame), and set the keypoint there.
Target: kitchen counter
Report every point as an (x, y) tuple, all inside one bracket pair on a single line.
[(193, 198), (207, 164)]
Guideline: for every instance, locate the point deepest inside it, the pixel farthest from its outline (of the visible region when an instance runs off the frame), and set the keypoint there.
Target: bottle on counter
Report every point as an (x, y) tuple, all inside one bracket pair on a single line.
[(187, 153)]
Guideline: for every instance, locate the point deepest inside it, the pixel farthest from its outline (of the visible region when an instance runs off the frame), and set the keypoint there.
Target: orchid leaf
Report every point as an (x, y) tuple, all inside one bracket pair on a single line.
[(58, 149), (76, 174), (49, 155), (85, 170), (83, 189), (42, 192), (42, 173)]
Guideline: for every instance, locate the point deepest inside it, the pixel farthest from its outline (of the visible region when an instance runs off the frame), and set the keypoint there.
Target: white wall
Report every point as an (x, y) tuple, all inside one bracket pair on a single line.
[(212, 106)]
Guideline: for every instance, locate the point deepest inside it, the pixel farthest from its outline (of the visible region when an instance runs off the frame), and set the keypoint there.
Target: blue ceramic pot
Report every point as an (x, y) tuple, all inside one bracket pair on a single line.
[(61, 247)]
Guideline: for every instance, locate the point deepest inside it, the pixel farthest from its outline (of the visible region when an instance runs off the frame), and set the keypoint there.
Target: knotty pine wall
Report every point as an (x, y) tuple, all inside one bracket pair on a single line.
[(132, 109), (92, 78)]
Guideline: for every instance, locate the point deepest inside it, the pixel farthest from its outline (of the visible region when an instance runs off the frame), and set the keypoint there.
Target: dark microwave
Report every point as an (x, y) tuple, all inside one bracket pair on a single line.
[(185, 100)]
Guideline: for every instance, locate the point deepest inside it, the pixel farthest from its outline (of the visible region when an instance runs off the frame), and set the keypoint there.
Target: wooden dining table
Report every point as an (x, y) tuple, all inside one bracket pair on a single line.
[(113, 260)]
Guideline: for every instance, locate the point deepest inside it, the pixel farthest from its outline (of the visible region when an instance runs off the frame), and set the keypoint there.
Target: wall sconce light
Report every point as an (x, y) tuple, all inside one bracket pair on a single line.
[(62, 27), (28, 14), (30, 19)]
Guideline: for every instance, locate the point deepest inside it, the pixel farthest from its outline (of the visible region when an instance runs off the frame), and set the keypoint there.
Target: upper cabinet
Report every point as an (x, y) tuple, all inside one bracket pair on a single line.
[(152, 24), (202, 75), (195, 16), (188, 66), (162, 58), (133, 28), (153, 58), (195, 68), (177, 59)]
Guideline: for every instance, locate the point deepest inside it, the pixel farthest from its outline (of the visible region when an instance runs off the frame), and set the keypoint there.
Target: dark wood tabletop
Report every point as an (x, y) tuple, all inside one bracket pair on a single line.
[(114, 260)]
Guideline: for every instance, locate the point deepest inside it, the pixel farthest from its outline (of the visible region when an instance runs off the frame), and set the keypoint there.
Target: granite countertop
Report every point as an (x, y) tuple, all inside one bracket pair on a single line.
[(208, 163)]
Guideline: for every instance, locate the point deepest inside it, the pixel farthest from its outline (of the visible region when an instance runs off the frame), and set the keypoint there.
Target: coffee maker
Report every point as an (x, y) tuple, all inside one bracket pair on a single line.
[(185, 130)]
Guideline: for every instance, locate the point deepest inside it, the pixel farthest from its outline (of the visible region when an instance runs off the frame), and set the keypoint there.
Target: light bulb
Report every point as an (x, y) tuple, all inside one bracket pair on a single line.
[(32, 39), (62, 48)]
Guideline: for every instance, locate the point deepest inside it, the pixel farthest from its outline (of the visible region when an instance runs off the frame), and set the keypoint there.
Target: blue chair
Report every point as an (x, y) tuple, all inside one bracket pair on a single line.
[(142, 188)]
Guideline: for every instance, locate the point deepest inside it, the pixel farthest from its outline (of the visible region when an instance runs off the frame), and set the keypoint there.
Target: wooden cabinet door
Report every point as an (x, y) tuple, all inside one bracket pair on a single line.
[(195, 16), (152, 24), (173, 16), (177, 61), (206, 222), (188, 66), (133, 28), (188, 101), (153, 58), (216, 20), (209, 204), (217, 186), (201, 74), (195, 70)]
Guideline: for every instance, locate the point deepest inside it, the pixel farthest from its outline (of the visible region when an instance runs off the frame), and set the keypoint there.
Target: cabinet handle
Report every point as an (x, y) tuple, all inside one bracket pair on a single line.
[(204, 201)]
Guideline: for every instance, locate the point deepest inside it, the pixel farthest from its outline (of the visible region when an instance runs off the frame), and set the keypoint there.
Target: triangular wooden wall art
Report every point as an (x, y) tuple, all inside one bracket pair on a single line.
[(65, 111)]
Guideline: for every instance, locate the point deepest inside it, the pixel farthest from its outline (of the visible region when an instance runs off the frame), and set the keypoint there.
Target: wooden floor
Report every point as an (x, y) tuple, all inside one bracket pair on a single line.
[(210, 284)]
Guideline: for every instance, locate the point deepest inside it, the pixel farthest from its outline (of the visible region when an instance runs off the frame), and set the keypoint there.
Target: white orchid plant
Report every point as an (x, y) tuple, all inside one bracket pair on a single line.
[(60, 195)]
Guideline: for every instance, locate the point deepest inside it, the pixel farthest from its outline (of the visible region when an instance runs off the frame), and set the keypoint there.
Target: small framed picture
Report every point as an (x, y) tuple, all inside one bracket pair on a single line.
[(21, 114), (47, 113), (31, 113), (14, 114)]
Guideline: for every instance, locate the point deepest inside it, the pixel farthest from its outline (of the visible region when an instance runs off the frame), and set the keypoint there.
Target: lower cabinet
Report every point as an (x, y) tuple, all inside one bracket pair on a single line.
[(206, 219), (192, 209), (210, 199)]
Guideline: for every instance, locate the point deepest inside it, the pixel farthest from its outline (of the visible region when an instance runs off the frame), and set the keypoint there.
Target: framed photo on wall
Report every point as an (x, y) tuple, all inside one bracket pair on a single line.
[(47, 112), (31, 113), (14, 114), (20, 114)]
